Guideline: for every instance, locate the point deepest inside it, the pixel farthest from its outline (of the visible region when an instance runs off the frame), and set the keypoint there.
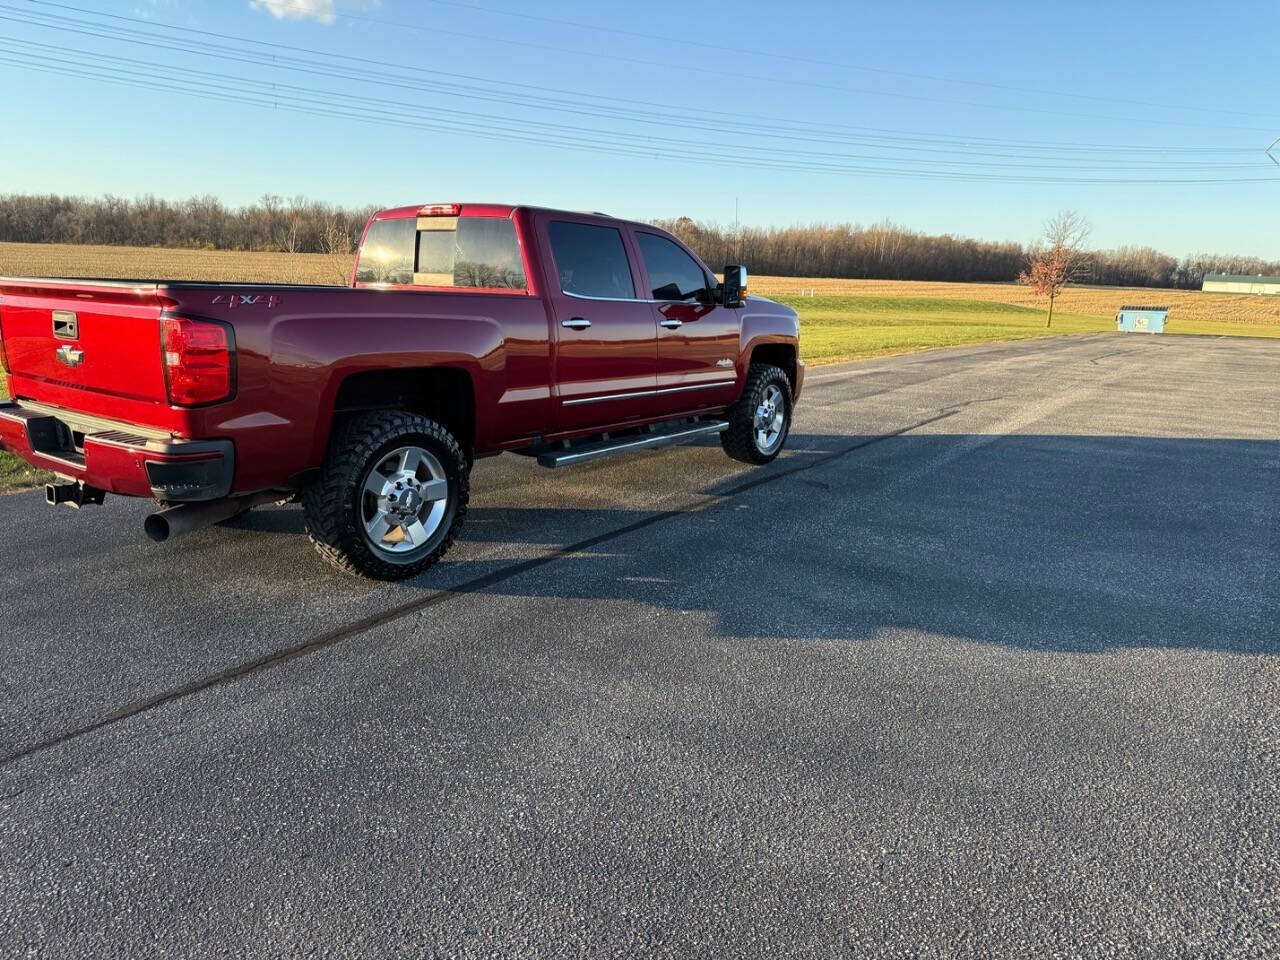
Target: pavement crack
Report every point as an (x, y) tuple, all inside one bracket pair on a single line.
[(1118, 353), (970, 403)]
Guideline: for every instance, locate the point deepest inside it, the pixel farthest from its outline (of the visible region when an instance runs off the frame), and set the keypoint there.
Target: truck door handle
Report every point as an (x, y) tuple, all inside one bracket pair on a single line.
[(577, 323), (670, 324)]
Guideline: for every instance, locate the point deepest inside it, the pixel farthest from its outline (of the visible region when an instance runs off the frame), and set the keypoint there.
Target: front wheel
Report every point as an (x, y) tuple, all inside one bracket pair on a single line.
[(761, 419), (391, 497)]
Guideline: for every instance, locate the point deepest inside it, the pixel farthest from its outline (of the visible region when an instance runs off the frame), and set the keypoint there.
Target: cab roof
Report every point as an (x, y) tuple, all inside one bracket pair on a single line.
[(478, 210)]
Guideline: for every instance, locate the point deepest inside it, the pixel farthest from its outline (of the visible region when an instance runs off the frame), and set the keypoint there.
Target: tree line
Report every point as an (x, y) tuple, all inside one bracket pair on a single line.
[(883, 251), (296, 225), (886, 251)]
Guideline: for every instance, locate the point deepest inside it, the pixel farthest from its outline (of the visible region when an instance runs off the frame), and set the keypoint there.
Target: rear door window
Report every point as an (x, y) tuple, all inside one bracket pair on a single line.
[(673, 274), (591, 260)]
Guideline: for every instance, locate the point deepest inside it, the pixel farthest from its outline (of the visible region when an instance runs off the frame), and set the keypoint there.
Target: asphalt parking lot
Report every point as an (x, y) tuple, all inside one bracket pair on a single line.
[(987, 664)]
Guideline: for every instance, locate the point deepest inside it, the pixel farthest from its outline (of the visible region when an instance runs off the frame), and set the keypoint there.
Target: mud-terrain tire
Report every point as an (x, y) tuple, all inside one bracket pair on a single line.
[(393, 473), (761, 419)]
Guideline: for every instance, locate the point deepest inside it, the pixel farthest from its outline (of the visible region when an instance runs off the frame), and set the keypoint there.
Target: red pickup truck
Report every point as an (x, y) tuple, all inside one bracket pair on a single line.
[(468, 330)]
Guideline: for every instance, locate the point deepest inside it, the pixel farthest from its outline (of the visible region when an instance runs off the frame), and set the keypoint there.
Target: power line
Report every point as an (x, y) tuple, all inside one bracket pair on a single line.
[(746, 51), (567, 136), (376, 68), (942, 100), (276, 87), (325, 108), (224, 52)]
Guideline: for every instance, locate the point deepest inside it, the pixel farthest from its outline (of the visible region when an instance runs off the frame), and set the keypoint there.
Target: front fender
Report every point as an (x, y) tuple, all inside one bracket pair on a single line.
[(766, 323)]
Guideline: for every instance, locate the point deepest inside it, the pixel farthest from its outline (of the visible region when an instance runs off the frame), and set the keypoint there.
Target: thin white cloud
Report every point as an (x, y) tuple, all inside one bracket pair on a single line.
[(321, 10), (154, 7)]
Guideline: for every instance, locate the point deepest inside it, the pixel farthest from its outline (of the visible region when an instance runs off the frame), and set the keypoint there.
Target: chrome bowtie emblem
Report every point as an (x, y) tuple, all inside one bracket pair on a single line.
[(70, 356)]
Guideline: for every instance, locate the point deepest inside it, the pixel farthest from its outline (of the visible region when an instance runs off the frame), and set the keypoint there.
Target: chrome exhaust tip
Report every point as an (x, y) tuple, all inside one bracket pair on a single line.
[(177, 521), (156, 527)]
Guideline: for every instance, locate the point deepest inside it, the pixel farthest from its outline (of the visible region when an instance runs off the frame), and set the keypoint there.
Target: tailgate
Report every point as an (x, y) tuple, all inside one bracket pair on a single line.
[(78, 344)]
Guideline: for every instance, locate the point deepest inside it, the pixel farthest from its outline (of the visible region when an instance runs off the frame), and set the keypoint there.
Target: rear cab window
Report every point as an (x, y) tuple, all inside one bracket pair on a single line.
[(456, 252), (386, 256)]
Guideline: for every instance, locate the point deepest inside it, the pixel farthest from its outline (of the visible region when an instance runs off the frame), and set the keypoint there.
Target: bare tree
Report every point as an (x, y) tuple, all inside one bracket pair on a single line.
[(337, 241), (1059, 259), (271, 213), (288, 235)]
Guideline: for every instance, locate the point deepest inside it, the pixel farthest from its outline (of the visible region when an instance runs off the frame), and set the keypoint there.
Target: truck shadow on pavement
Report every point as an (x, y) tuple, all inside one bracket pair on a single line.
[(1074, 543), (1033, 542)]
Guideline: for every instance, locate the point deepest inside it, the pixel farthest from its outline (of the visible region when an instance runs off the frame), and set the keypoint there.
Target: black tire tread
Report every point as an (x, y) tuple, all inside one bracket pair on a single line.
[(331, 525), (737, 440)]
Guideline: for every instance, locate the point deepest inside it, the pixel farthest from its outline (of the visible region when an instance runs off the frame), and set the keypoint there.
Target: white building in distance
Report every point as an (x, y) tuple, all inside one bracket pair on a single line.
[(1237, 283)]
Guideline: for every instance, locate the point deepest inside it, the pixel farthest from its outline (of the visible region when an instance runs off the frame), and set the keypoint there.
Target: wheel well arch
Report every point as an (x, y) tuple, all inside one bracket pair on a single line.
[(444, 394), (779, 355)]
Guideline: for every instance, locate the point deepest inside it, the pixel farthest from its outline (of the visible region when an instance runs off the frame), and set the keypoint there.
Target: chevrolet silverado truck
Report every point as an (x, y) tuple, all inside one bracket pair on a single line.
[(467, 330)]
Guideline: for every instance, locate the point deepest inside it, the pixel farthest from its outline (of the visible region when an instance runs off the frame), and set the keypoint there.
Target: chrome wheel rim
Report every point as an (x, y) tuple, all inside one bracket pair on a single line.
[(770, 419), (403, 501)]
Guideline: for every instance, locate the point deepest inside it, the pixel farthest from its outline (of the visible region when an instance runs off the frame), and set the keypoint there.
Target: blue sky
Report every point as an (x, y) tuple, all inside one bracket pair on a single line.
[(939, 116)]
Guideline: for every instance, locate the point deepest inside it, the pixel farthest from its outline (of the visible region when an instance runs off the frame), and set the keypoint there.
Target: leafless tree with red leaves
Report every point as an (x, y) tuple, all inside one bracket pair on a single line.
[(1059, 258)]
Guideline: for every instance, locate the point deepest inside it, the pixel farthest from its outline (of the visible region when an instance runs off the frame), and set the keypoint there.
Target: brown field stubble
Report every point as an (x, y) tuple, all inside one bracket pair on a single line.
[(69, 260)]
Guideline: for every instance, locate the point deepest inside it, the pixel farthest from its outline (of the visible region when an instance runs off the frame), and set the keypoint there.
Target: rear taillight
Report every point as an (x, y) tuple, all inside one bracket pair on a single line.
[(199, 360), (4, 360)]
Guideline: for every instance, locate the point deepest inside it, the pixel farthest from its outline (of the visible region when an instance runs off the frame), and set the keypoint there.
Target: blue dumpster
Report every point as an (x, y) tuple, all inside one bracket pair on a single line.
[(1141, 319)]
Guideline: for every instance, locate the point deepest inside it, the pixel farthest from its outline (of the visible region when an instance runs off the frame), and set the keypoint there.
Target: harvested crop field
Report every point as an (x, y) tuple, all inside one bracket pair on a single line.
[(147, 263), (69, 260), (1185, 305)]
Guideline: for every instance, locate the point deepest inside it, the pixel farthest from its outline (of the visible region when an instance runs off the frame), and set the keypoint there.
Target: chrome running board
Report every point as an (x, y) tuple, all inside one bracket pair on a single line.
[(661, 435)]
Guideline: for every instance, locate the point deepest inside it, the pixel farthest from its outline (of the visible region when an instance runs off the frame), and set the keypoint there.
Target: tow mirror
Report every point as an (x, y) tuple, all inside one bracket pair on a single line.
[(735, 285)]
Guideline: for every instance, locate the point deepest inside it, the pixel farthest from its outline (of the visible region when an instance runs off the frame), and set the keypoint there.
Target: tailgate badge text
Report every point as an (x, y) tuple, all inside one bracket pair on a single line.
[(233, 300)]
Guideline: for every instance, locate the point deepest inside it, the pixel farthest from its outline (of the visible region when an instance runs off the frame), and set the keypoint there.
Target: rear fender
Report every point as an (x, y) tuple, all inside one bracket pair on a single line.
[(473, 346)]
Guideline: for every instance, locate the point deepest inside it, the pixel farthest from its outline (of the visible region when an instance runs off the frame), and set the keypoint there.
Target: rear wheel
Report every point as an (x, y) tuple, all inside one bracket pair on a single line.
[(391, 498), (761, 419)]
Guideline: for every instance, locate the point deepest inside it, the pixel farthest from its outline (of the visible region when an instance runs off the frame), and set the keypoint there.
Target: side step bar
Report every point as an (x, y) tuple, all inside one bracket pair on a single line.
[(659, 437)]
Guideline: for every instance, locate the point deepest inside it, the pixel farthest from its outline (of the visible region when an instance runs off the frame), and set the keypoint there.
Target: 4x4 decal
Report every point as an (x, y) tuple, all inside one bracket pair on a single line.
[(233, 300)]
